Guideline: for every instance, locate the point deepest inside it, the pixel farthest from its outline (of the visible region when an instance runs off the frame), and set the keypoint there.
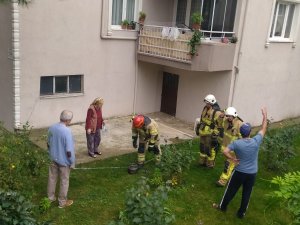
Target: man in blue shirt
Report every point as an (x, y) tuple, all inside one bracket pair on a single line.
[(246, 151), (62, 155)]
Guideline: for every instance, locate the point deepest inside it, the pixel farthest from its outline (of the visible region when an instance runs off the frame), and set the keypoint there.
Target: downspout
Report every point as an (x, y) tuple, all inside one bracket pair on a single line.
[(236, 67), (135, 77), (16, 63)]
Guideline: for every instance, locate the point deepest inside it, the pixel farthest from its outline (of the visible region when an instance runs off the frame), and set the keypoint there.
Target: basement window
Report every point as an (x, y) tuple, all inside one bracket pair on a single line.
[(53, 85)]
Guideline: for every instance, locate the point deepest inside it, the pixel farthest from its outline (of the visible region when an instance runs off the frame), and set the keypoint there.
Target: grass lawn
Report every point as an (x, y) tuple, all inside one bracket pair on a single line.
[(99, 194)]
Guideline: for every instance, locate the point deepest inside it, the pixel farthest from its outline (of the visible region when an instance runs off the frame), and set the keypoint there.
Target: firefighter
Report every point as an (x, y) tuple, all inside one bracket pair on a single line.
[(207, 129), (145, 132), (231, 125)]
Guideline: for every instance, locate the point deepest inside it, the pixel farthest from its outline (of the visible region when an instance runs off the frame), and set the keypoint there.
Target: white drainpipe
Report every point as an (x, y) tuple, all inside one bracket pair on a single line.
[(16, 63), (236, 67)]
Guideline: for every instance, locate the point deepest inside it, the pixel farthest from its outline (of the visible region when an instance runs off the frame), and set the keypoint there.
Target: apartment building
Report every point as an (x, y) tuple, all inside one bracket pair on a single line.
[(57, 55)]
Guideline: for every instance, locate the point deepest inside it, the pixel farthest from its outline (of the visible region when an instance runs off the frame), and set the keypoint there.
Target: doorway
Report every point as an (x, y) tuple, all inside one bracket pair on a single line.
[(169, 93)]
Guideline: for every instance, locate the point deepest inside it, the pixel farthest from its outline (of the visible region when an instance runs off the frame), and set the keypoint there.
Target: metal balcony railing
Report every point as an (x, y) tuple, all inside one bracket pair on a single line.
[(165, 42)]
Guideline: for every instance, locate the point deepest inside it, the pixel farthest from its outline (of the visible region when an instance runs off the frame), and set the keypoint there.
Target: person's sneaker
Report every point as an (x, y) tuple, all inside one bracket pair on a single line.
[(221, 183), (67, 203), (240, 215), (52, 200), (98, 153), (93, 156)]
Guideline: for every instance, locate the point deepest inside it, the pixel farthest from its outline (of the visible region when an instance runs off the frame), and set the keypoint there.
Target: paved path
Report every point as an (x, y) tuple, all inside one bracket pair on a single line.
[(117, 139)]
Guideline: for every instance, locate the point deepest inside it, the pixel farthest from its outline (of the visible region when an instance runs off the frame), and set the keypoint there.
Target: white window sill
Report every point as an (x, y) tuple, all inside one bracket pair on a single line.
[(121, 34), (61, 95), (280, 40)]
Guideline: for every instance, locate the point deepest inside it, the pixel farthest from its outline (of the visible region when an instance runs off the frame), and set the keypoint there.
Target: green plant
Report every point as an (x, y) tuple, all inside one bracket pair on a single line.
[(194, 41), (278, 148), (125, 23), (156, 179), (21, 161), (146, 207), (288, 191), (15, 209), (174, 161), (44, 205), (196, 18), (233, 39), (142, 15)]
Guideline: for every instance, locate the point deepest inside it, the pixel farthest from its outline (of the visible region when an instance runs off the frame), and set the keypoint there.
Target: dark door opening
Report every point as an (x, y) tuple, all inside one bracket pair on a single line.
[(169, 93)]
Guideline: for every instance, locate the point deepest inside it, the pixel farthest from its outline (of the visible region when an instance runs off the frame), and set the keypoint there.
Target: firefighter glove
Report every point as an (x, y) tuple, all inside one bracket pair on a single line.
[(134, 142)]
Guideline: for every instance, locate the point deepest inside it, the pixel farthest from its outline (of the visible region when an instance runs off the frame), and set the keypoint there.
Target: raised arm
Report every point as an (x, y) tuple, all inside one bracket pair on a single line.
[(264, 122)]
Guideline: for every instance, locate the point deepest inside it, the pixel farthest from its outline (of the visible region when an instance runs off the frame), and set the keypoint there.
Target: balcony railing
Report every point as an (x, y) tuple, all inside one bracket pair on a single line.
[(169, 46), (165, 42)]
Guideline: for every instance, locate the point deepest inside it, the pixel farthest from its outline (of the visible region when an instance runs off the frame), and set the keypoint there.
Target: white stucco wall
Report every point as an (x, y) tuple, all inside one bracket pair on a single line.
[(6, 66), (63, 38), (267, 76), (194, 86)]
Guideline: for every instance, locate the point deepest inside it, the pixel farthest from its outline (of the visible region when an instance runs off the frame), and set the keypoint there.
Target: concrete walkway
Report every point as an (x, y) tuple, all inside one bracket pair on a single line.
[(117, 139)]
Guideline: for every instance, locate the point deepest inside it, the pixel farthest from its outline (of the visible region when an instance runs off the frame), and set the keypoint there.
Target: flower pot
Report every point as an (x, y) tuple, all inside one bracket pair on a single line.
[(124, 27), (196, 26)]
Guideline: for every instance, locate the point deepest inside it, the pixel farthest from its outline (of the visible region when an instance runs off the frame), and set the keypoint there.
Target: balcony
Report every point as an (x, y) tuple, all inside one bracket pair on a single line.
[(169, 47)]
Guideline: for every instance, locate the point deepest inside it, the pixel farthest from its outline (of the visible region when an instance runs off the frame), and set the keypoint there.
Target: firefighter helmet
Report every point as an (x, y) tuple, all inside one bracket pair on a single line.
[(210, 99), (138, 121), (231, 111)]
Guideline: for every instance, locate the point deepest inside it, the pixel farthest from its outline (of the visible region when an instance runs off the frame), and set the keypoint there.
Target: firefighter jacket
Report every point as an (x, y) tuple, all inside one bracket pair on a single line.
[(208, 121), (148, 132), (231, 131)]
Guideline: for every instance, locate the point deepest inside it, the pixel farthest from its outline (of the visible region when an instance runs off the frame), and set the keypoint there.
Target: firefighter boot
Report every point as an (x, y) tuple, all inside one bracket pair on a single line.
[(203, 160), (141, 159), (210, 163)]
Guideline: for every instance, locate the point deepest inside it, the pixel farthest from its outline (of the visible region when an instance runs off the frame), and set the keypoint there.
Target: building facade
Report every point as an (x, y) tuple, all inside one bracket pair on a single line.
[(59, 55)]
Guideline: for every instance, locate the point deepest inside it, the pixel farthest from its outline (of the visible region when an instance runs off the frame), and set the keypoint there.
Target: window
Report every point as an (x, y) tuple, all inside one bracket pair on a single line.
[(218, 15), (123, 9), (282, 22), (51, 85)]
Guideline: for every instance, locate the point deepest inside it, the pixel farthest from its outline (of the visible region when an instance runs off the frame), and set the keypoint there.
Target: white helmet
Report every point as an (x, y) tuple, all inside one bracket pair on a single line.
[(231, 111), (210, 99)]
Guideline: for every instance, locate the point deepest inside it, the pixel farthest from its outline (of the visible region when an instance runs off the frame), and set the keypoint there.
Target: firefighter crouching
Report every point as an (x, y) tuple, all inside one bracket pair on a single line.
[(207, 129), (145, 132), (231, 125)]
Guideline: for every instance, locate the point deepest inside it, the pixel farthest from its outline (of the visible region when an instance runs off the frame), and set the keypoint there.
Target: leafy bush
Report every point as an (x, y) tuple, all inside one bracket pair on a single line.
[(21, 161), (145, 207), (278, 148), (44, 205), (174, 161), (289, 192), (15, 209)]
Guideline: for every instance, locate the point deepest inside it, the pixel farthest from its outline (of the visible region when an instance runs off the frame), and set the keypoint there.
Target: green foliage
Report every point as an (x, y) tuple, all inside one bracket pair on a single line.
[(289, 193), (175, 160), (125, 23), (156, 178), (278, 148), (142, 15), (233, 39), (146, 207), (196, 18), (194, 41), (21, 161), (44, 205), (15, 209)]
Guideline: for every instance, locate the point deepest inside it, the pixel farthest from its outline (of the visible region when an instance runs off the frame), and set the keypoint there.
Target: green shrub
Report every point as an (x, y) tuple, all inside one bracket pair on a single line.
[(289, 193), (44, 205), (278, 148), (21, 161), (16, 210), (145, 207), (174, 161)]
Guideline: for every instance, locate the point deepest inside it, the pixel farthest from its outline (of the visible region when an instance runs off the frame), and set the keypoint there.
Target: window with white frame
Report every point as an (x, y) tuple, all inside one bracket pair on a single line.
[(51, 85), (218, 15), (283, 21), (123, 10)]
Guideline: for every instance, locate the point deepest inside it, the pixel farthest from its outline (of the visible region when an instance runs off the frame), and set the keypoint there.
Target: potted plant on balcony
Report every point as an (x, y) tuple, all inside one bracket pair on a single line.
[(234, 39), (131, 25), (196, 20), (124, 24), (142, 17)]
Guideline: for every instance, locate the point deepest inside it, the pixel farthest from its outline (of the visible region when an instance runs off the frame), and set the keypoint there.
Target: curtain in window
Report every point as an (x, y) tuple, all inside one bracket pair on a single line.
[(130, 10), (289, 21), (195, 7), (117, 8), (219, 15), (181, 11)]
